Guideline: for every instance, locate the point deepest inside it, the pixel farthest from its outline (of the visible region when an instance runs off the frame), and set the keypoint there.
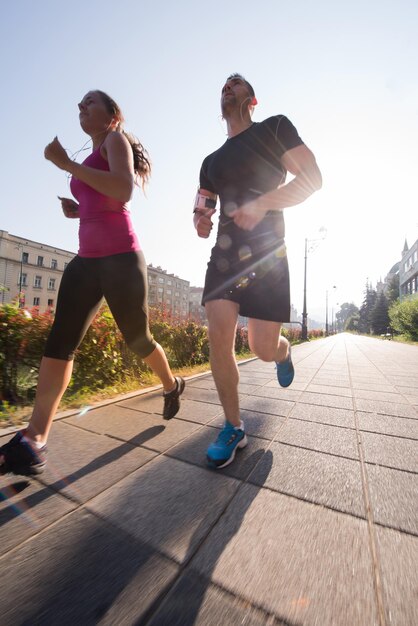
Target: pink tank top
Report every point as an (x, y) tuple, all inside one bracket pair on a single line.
[(105, 223)]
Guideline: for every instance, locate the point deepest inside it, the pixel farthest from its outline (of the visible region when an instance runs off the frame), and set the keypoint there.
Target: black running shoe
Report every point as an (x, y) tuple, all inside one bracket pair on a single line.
[(19, 457), (172, 399)]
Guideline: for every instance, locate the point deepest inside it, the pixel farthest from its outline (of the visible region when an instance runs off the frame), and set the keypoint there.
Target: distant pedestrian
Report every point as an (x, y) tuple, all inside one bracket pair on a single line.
[(248, 272), (109, 264)]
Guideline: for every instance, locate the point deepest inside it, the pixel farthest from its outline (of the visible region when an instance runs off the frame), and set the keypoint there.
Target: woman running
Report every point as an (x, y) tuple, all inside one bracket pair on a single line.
[(109, 264)]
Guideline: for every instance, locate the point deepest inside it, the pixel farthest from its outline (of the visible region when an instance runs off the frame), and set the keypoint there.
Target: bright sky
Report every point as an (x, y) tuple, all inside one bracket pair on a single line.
[(344, 73)]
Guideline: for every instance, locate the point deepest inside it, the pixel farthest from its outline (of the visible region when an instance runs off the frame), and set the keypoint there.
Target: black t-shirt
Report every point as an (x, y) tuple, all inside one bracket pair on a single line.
[(246, 166)]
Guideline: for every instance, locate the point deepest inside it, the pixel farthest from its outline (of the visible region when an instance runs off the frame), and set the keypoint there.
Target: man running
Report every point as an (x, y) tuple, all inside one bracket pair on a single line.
[(248, 272)]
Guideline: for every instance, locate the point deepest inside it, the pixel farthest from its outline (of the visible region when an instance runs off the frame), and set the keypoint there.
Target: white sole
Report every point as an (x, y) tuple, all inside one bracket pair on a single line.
[(241, 444)]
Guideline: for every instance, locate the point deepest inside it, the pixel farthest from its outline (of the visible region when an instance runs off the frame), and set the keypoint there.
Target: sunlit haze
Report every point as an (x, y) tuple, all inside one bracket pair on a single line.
[(344, 73)]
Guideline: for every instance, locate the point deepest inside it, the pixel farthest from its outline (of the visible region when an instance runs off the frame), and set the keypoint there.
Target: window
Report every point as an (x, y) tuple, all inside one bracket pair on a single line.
[(160, 280), (25, 257), (177, 294), (37, 282), (24, 280), (168, 292), (160, 290), (50, 302), (54, 264), (36, 301), (40, 261), (51, 284), (169, 282)]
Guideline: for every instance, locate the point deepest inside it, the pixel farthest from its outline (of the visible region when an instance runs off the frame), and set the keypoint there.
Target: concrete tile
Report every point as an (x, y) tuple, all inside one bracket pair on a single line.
[(324, 414), (331, 382), (276, 392), (82, 572), (168, 504), (319, 437), (266, 405), (380, 396), (324, 479), (391, 451), (399, 566), (256, 424), (201, 383), (394, 497), (81, 464), (209, 396), (248, 379), (339, 402), (140, 429), (388, 425), (316, 566), (409, 391), (193, 450), (147, 403), (26, 507), (296, 386), (329, 390), (386, 408), (365, 384), (194, 600)]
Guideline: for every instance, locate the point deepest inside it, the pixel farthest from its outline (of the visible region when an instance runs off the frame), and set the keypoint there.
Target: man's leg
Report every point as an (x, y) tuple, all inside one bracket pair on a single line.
[(267, 343), (222, 317)]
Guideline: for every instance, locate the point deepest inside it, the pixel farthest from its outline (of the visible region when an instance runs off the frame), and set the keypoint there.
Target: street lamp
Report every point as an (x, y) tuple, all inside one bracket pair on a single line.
[(310, 245), (326, 313), (20, 247)]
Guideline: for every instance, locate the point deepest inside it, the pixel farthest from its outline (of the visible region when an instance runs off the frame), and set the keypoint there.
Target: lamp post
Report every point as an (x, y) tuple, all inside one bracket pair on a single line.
[(311, 243), (326, 313), (305, 313), (20, 247)]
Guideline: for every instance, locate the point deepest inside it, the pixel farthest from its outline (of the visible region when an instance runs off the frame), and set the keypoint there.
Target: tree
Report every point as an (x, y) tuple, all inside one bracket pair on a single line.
[(404, 317), (370, 297), (392, 293), (353, 322), (379, 316), (347, 309)]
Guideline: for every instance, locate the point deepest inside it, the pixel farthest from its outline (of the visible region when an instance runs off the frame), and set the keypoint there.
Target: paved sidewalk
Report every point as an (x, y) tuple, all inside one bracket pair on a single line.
[(315, 523)]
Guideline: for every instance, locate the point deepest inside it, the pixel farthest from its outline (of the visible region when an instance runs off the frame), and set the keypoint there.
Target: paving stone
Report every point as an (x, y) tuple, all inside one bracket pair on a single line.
[(394, 497), (339, 402), (266, 405), (316, 565), (386, 408), (194, 601), (315, 477), (328, 389), (319, 437), (26, 507), (380, 396), (81, 464), (140, 429), (398, 555), (276, 392), (389, 425), (391, 451), (168, 504), (82, 572), (324, 415), (147, 403), (365, 384), (256, 424), (202, 395)]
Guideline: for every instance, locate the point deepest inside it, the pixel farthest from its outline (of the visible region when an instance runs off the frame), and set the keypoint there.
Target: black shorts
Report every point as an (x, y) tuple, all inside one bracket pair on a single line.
[(261, 288), (122, 280)]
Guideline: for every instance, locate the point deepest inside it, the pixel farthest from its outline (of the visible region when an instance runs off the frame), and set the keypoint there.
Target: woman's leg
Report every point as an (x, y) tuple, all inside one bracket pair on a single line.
[(78, 301), (124, 279)]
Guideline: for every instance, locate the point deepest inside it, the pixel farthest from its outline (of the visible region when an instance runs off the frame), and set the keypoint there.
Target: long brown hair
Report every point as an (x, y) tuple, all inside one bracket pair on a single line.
[(142, 164)]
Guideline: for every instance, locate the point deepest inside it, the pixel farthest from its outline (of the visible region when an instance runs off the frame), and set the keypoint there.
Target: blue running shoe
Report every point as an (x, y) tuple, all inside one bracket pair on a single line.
[(285, 371), (222, 452)]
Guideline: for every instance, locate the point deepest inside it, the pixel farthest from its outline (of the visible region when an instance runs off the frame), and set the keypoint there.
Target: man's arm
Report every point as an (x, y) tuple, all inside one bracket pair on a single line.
[(204, 208), (300, 162)]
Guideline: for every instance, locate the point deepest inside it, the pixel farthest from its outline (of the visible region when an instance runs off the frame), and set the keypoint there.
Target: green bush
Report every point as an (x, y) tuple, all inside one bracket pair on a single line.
[(403, 316)]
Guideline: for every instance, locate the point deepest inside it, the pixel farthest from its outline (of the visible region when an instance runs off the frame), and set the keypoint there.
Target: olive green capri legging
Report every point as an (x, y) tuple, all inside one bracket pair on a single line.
[(122, 280)]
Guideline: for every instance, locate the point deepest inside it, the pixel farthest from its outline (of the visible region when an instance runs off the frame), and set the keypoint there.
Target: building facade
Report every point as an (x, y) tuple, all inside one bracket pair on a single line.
[(168, 291), (30, 271), (408, 271)]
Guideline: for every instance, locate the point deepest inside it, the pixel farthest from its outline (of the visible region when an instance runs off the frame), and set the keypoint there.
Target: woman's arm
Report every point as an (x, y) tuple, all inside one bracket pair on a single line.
[(117, 183)]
